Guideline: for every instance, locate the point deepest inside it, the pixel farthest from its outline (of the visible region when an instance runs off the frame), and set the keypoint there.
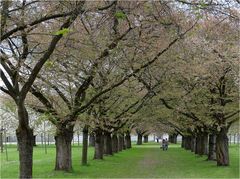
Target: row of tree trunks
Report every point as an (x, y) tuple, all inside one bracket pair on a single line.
[(107, 143), (187, 143), (215, 146), (173, 138), (145, 138), (91, 139), (193, 144), (201, 146), (114, 143), (120, 142), (128, 140)]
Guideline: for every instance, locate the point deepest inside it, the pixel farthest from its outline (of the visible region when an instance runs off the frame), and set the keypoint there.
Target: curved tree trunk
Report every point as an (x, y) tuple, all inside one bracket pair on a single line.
[(98, 144), (145, 140), (107, 143), (91, 140), (85, 145), (222, 152), (212, 147), (139, 139), (128, 140), (114, 143), (63, 140)]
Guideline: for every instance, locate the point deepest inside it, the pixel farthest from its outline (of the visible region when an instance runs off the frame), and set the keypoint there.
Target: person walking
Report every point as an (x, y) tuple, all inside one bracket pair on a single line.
[(163, 144), (166, 144)]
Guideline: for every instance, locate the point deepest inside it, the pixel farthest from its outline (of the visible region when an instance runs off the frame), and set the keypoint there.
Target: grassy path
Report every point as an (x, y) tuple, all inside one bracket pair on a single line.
[(146, 161)]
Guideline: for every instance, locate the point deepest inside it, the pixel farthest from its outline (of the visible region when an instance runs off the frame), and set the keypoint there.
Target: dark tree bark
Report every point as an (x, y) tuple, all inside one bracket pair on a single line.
[(25, 147), (222, 152), (183, 142), (145, 140), (91, 139), (202, 144), (123, 142), (212, 147), (173, 138), (34, 140), (193, 143), (139, 139), (98, 144), (234, 138), (107, 143), (1, 141), (128, 140), (198, 149), (63, 140), (85, 145), (25, 143), (188, 143), (205, 143), (114, 143), (120, 142)]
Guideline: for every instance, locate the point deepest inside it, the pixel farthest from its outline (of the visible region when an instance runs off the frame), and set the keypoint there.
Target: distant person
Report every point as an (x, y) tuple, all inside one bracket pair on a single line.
[(166, 144), (157, 140), (163, 144)]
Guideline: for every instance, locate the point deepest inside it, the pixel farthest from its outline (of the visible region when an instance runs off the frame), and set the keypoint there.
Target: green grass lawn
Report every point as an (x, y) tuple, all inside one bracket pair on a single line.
[(146, 161)]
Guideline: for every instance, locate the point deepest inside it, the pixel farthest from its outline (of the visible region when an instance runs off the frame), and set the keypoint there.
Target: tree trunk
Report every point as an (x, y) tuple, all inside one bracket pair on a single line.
[(128, 140), (34, 140), (25, 143), (25, 146), (63, 140), (91, 140), (139, 139), (212, 147), (193, 143), (114, 143), (85, 145), (107, 143), (145, 139), (173, 138), (1, 141), (222, 152), (120, 142), (123, 142), (188, 143), (198, 144), (42, 139), (205, 145), (234, 139), (98, 144), (183, 142)]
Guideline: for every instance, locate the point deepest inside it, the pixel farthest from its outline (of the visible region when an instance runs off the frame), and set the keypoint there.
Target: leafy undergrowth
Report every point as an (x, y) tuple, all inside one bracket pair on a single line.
[(146, 161)]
